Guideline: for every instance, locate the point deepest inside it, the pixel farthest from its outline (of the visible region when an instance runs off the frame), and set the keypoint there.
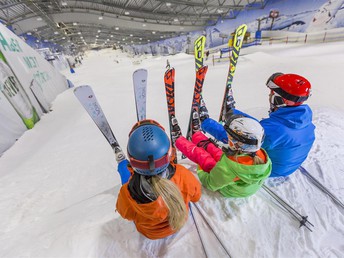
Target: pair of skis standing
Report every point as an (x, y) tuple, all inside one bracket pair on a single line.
[(90, 103)]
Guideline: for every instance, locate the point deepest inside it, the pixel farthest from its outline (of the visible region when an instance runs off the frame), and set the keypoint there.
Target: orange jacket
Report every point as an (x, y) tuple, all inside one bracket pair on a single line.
[(151, 219)]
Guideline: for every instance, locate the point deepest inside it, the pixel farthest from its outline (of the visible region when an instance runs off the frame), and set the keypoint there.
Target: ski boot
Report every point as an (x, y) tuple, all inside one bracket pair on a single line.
[(196, 122), (176, 131), (203, 111), (119, 155)]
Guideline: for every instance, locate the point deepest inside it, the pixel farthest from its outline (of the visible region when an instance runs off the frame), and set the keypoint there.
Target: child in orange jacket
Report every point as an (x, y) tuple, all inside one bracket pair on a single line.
[(158, 193)]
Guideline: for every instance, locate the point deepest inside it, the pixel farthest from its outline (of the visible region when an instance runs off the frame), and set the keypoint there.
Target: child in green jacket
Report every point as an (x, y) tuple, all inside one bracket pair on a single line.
[(239, 170)]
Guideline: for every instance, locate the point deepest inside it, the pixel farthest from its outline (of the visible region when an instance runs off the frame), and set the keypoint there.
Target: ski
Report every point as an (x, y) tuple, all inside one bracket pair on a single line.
[(169, 90), (228, 100), (140, 89), (194, 121), (89, 101), (199, 45), (320, 186)]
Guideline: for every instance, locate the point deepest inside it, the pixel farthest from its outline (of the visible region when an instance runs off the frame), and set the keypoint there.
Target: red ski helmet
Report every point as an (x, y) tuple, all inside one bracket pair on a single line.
[(288, 89)]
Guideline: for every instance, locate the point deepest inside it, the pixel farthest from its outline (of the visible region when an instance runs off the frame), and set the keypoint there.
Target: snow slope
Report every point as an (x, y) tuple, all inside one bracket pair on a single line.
[(59, 185)]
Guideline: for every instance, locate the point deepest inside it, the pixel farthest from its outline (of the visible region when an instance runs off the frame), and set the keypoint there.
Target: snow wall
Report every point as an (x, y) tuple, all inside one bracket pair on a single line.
[(307, 16), (28, 85)]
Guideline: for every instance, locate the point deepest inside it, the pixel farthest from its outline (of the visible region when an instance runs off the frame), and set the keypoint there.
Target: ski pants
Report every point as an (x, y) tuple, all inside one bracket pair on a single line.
[(206, 157)]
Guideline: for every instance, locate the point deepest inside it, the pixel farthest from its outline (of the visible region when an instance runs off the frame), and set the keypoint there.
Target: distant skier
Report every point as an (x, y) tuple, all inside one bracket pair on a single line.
[(239, 170), (207, 55), (157, 194), (289, 131)]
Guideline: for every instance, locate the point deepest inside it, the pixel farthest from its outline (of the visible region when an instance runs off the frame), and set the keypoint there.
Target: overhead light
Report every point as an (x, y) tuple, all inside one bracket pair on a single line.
[(29, 33), (116, 28), (144, 25), (100, 17), (148, 40), (64, 3), (107, 39), (111, 36), (99, 31), (79, 32), (168, 4), (39, 19), (81, 37), (140, 38), (153, 32), (131, 35), (132, 41), (97, 36), (126, 13), (56, 32), (219, 11), (75, 23), (175, 19), (63, 37)]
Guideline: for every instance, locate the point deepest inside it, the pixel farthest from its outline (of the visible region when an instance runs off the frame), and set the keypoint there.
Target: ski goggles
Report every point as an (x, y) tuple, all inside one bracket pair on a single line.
[(235, 135), (145, 122), (239, 137)]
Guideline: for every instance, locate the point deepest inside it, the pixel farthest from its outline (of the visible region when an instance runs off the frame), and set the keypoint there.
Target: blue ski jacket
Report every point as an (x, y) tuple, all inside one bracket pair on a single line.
[(289, 136)]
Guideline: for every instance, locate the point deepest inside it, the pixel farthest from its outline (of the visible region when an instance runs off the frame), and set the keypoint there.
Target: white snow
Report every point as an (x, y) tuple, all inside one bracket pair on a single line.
[(59, 184)]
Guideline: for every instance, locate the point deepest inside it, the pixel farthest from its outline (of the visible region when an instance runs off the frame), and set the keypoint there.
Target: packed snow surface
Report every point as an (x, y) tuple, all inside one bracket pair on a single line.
[(59, 184)]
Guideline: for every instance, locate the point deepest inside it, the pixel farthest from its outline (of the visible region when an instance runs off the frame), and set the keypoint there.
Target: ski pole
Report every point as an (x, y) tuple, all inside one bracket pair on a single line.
[(198, 232), (211, 228), (321, 186), (287, 207)]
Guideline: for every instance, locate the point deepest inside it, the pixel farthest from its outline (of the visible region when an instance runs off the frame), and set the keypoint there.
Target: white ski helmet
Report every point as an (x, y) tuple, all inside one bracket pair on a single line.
[(244, 134)]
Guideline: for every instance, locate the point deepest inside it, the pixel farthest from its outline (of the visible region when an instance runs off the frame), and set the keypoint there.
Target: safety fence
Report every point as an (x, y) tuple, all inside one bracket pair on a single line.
[(222, 53)]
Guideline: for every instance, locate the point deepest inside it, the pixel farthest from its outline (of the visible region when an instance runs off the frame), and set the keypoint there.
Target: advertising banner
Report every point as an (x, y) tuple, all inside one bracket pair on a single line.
[(11, 126), (27, 64), (15, 94)]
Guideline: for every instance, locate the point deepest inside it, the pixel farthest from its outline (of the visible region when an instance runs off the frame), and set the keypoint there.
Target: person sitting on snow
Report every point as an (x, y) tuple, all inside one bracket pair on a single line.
[(289, 131), (239, 170), (156, 192)]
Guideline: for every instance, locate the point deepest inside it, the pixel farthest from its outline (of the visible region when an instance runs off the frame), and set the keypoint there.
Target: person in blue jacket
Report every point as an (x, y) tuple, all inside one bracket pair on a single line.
[(289, 131)]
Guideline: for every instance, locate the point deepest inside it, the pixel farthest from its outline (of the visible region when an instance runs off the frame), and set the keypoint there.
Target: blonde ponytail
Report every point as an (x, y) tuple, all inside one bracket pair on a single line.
[(173, 199), (257, 160)]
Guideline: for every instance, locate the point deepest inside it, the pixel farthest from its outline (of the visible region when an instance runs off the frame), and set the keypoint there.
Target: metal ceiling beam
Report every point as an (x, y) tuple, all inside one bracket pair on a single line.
[(39, 12)]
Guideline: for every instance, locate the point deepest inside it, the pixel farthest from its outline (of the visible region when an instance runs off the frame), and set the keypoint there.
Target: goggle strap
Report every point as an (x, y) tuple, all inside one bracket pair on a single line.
[(150, 164), (240, 138)]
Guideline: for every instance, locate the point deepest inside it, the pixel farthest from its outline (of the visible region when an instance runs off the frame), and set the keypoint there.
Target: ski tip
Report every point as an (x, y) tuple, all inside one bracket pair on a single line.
[(81, 86)]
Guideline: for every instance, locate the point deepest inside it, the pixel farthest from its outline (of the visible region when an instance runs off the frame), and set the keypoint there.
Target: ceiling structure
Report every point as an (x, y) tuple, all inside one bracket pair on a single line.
[(116, 22)]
